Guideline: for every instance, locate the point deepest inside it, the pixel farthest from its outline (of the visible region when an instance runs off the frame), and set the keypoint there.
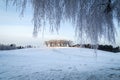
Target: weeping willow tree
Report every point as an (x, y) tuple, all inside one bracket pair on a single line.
[(91, 18)]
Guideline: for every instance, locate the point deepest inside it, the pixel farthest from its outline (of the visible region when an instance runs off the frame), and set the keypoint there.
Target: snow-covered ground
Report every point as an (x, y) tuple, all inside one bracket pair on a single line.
[(59, 64)]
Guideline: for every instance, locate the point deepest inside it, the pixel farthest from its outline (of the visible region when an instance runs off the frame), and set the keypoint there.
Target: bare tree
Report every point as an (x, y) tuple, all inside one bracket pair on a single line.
[(93, 19)]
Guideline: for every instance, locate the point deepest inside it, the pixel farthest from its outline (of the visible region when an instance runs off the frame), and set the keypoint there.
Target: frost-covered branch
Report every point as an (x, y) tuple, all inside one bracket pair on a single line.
[(92, 18)]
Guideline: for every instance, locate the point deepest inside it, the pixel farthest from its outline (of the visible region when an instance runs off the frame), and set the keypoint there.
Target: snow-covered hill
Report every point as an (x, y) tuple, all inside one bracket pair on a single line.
[(59, 64)]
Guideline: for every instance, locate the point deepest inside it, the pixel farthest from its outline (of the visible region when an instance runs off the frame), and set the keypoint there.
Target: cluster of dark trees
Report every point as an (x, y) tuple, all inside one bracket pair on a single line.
[(10, 47), (13, 47), (109, 48), (100, 47)]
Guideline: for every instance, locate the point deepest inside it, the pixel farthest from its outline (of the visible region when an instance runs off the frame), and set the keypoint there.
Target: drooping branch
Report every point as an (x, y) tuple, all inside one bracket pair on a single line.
[(93, 19)]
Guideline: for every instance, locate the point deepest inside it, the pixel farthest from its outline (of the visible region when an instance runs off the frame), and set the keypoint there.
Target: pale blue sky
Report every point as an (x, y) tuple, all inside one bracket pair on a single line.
[(17, 29)]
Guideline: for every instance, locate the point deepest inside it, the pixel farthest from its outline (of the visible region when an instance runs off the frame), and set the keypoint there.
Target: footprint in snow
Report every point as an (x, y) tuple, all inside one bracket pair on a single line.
[(55, 69)]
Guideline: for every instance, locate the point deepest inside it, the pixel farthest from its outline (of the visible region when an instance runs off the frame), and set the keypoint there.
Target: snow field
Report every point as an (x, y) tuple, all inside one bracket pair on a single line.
[(59, 64)]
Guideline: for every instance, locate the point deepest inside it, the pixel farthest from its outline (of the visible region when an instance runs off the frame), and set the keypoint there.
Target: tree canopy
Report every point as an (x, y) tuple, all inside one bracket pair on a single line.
[(93, 19)]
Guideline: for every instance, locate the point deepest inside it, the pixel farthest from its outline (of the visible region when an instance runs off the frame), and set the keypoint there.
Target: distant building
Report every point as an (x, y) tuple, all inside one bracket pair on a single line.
[(58, 43)]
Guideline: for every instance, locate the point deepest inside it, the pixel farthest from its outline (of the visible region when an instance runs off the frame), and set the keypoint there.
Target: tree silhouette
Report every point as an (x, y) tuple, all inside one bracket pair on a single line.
[(93, 19)]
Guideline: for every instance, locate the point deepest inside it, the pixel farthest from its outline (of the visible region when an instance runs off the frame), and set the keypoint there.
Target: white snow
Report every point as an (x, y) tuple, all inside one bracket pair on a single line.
[(59, 64)]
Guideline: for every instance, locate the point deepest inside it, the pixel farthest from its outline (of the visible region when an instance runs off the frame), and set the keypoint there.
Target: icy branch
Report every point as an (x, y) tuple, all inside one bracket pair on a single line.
[(92, 18)]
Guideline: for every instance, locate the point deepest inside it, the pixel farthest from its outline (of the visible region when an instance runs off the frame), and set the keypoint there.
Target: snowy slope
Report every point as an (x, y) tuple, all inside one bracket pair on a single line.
[(59, 64)]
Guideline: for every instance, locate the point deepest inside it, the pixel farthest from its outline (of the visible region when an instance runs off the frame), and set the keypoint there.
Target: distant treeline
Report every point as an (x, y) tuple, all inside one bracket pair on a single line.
[(12, 47), (109, 48), (100, 47)]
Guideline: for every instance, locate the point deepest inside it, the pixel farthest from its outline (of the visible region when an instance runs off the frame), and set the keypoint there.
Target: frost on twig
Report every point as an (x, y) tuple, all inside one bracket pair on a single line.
[(93, 19)]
